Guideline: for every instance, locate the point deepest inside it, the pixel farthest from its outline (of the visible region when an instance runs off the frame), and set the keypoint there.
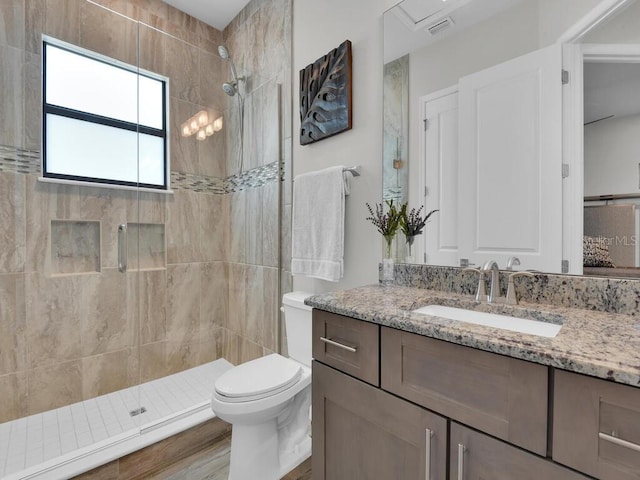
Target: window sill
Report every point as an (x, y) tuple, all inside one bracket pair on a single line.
[(104, 185)]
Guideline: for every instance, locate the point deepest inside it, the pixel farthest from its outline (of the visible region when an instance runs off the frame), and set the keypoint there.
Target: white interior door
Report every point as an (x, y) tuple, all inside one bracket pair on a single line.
[(510, 162), (439, 181)]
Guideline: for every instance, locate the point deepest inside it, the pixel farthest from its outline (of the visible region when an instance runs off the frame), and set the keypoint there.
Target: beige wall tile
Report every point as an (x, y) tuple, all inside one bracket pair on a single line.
[(248, 350), (237, 297), (109, 207), (153, 361), (13, 221), (230, 346), (212, 160), (285, 237), (55, 309), (214, 306), (184, 150), (108, 33), (54, 386), (62, 20), (13, 345), (213, 73), (237, 227), (146, 248), (181, 59), (270, 224), (32, 102), (182, 229), (213, 349), (147, 299), (105, 326), (45, 202), (271, 308), (252, 323), (106, 373), (151, 50), (34, 25), (13, 401), (183, 302), (214, 210), (146, 207), (11, 95), (181, 355), (253, 225), (12, 23)]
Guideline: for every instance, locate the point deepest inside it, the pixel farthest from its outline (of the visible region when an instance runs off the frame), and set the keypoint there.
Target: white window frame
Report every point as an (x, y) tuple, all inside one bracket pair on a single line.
[(163, 133)]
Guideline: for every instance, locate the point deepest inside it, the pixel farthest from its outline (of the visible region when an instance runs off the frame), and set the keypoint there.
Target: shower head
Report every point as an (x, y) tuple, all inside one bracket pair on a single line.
[(230, 88), (223, 52)]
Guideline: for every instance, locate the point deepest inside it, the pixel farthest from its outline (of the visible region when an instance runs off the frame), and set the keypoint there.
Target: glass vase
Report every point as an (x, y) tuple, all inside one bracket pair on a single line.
[(388, 271)]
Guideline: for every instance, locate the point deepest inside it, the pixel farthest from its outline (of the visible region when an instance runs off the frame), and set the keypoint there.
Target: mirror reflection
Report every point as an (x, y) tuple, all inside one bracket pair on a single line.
[(480, 123)]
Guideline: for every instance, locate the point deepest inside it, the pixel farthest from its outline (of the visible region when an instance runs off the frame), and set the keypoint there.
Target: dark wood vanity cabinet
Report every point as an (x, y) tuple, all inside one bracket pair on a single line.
[(430, 409), (363, 433), (596, 426)]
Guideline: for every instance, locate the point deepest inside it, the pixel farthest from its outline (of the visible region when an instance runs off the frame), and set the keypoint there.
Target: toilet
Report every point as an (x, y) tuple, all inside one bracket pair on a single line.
[(267, 401)]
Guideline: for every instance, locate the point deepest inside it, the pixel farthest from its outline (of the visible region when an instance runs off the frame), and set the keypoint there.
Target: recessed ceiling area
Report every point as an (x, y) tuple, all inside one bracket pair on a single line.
[(413, 24), (217, 13), (611, 89)]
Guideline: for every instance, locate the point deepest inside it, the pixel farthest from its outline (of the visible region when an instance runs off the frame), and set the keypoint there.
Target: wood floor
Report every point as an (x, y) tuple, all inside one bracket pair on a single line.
[(213, 464)]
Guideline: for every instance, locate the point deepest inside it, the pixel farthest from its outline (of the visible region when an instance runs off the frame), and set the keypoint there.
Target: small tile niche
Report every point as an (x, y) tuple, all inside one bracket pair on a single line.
[(75, 247), (146, 246)]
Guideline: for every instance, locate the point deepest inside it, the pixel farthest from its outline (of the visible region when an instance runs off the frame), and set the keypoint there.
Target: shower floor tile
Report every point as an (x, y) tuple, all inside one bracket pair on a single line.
[(29, 441)]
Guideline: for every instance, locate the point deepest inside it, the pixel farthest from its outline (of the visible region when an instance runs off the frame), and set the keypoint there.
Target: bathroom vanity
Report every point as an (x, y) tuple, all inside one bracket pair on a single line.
[(400, 395)]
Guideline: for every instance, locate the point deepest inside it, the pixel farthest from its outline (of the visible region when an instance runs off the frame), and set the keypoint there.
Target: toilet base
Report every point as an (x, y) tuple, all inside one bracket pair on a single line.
[(254, 452)]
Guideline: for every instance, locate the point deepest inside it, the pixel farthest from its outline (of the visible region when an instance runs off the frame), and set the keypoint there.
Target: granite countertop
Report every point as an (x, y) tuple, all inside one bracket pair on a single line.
[(604, 345)]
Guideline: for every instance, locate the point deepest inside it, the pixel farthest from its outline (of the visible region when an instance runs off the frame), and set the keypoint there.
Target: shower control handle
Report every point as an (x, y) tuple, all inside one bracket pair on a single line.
[(122, 247)]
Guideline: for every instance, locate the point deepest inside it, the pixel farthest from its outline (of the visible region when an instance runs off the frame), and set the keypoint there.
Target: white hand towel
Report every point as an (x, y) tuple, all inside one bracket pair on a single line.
[(318, 223)]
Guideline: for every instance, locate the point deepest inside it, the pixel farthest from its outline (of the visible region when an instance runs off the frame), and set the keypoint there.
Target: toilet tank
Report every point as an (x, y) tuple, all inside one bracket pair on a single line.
[(297, 319)]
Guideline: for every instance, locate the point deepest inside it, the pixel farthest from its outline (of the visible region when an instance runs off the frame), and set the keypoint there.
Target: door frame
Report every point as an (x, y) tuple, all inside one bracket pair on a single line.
[(417, 183), (573, 57)]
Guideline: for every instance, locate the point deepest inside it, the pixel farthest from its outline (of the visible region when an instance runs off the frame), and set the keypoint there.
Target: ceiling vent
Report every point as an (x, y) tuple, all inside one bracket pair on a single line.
[(440, 25)]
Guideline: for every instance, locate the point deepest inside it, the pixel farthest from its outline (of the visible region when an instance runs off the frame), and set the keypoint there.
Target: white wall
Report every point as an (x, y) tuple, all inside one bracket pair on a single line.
[(611, 149), (318, 27)]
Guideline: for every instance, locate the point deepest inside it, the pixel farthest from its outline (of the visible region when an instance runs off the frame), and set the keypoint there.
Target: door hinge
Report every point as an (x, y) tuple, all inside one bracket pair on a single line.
[(565, 77), (426, 124), (565, 266), (565, 170)]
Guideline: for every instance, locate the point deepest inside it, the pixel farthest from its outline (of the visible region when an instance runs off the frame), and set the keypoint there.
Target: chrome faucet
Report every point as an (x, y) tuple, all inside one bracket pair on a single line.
[(494, 290), (512, 299), (481, 292), (511, 262)]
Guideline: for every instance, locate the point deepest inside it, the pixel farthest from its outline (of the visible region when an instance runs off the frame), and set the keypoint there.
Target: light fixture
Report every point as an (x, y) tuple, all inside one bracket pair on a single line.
[(208, 130), (217, 124), (203, 118), (201, 135), (185, 130)]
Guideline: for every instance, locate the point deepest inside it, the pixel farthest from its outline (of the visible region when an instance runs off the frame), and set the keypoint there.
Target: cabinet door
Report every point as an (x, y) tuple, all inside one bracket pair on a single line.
[(475, 456), (363, 433), (596, 426), (502, 396), (510, 162)]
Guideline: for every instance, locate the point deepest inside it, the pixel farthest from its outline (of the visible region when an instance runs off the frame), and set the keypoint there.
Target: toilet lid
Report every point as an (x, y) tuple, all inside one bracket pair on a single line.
[(262, 377)]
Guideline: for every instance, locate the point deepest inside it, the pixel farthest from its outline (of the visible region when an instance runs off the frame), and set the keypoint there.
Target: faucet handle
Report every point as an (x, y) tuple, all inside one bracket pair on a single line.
[(481, 293), (511, 262), (512, 299)]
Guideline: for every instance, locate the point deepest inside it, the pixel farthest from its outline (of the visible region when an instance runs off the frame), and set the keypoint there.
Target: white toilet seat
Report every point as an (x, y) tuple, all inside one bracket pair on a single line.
[(260, 378)]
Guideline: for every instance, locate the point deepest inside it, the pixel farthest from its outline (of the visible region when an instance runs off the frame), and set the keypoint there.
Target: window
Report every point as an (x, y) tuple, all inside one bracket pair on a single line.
[(103, 121)]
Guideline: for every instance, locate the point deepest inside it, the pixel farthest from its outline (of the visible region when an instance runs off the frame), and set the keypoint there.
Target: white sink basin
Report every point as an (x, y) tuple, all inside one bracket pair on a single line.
[(515, 324)]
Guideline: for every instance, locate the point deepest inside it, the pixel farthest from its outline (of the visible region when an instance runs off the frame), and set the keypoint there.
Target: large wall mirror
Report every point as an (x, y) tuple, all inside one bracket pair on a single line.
[(480, 123)]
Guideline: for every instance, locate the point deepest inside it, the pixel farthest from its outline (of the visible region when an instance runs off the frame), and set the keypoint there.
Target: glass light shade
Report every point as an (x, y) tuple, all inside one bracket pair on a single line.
[(193, 124), (217, 124), (201, 135), (209, 130), (203, 118), (185, 130)]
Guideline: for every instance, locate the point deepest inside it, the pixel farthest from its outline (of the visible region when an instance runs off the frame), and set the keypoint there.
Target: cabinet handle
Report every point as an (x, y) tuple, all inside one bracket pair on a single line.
[(122, 248), (618, 441), (338, 344), (427, 459), (461, 450)]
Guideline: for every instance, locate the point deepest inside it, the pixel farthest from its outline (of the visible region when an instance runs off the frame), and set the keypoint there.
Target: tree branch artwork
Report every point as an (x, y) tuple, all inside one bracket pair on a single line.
[(325, 95)]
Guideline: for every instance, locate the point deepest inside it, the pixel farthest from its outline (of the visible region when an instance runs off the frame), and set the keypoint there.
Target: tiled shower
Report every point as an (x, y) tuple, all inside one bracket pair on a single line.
[(204, 279)]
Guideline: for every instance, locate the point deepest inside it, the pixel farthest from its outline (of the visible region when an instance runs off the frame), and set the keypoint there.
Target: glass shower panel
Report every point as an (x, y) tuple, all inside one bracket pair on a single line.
[(69, 319)]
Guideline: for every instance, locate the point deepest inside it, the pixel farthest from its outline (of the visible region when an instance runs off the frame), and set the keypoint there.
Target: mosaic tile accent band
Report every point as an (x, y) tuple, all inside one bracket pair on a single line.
[(19, 160)]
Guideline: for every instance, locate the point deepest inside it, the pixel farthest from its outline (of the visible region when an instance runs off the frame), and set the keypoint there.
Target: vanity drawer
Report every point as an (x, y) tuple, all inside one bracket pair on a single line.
[(502, 396), (596, 426), (349, 345), (475, 456)]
